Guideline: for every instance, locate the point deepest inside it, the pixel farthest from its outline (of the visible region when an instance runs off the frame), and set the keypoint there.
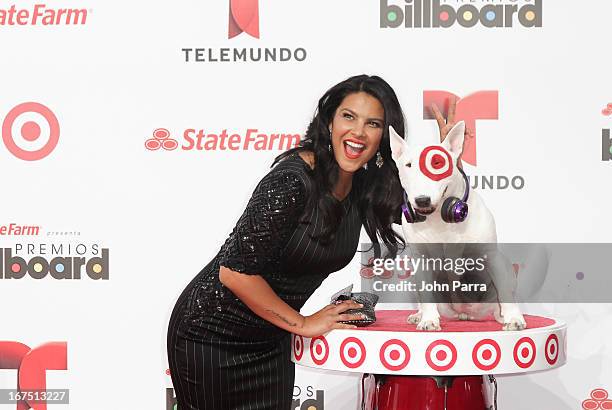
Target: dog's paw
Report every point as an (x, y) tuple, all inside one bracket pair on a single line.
[(464, 316), (429, 324), (515, 323), (415, 318)]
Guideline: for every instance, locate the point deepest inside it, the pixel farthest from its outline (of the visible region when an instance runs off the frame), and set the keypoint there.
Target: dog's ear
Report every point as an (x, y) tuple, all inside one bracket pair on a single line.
[(397, 144), (454, 139)]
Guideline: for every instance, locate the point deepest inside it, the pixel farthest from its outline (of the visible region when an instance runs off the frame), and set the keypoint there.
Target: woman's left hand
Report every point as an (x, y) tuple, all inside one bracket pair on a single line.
[(445, 125)]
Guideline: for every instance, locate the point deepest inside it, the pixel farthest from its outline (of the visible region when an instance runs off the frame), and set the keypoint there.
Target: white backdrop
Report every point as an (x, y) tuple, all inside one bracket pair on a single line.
[(162, 215)]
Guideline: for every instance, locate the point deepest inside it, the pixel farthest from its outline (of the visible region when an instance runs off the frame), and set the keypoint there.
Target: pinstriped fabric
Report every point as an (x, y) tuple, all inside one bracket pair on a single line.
[(223, 356)]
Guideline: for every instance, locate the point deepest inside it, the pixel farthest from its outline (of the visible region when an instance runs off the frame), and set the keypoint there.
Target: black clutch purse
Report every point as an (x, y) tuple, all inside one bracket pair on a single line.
[(368, 300)]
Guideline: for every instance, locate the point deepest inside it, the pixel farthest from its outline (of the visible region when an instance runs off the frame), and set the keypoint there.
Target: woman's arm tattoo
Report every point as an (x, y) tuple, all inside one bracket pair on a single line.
[(282, 318)]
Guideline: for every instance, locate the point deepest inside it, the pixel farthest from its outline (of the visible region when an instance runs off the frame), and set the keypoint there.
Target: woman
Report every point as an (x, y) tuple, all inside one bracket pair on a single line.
[(229, 333)]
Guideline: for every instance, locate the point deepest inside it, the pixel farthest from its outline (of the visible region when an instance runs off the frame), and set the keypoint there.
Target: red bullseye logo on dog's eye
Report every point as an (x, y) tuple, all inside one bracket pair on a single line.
[(436, 163)]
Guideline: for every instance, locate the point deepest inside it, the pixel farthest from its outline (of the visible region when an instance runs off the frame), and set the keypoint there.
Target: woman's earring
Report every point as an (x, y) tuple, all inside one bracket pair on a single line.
[(329, 147), (365, 166), (379, 160), (330, 137)]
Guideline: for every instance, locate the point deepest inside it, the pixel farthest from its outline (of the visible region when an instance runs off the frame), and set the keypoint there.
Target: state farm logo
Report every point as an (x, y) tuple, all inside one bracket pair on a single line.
[(250, 139), (40, 14), (13, 229), (30, 131), (244, 17), (480, 105), (32, 366), (161, 139)]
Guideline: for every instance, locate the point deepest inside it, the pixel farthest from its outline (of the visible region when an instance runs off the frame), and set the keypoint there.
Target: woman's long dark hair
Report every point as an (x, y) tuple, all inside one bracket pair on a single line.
[(379, 193)]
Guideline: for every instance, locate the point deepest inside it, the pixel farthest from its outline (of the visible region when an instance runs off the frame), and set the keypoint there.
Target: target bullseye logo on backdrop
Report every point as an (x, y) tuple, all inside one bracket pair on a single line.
[(30, 131)]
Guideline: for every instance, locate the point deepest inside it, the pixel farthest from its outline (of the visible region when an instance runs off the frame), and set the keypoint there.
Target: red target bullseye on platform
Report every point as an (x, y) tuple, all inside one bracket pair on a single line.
[(394, 354), (436, 163), (486, 354), (441, 355), (298, 346), (524, 352), (352, 352), (36, 129), (319, 350), (551, 349)]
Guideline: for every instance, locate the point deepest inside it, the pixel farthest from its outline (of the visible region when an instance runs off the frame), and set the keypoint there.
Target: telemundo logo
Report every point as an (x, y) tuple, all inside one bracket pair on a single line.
[(440, 13)]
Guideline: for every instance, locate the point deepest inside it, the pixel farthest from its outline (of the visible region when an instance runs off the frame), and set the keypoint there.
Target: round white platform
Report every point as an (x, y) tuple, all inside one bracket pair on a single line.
[(392, 346)]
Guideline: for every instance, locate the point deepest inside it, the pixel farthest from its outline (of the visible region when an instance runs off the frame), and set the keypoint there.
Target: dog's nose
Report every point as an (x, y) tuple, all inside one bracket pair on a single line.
[(423, 201)]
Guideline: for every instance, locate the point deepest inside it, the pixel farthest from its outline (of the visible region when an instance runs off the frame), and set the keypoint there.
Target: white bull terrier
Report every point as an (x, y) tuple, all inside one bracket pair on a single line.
[(436, 195)]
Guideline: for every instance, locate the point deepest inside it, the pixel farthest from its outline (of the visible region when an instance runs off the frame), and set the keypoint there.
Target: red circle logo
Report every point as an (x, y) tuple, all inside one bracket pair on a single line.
[(298, 346), (352, 352), (524, 352), (31, 147), (551, 349), (394, 354), (441, 355), (436, 163), (319, 350), (486, 354)]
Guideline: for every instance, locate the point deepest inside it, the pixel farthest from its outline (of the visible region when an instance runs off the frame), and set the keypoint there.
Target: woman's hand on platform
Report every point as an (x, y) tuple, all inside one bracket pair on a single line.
[(329, 318)]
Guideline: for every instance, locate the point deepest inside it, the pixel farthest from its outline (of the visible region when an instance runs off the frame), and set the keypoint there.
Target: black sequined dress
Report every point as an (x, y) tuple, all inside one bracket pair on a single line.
[(221, 354)]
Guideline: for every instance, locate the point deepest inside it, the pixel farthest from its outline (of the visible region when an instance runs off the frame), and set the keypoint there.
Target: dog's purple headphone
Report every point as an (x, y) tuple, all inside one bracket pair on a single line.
[(454, 210)]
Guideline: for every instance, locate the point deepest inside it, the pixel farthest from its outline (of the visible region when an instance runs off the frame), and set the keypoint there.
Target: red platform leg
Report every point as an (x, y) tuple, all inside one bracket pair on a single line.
[(424, 393)]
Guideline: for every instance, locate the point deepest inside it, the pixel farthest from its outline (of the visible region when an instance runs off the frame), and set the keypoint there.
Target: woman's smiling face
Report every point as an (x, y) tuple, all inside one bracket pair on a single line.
[(357, 128)]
